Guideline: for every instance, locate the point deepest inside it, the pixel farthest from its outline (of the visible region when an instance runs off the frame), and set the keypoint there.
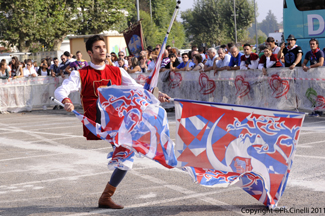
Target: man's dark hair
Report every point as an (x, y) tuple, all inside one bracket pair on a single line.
[(55, 58), (270, 39), (194, 46), (67, 54), (168, 46), (230, 45), (201, 49), (223, 46), (92, 40), (185, 54), (247, 44), (74, 57), (171, 55), (77, 52)]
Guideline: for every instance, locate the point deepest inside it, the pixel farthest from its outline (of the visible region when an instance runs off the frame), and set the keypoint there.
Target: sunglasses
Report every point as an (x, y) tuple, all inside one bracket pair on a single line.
[(108, 56)]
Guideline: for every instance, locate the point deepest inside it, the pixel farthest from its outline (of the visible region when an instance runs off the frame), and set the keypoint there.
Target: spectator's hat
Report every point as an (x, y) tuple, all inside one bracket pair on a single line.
[(291, 37)]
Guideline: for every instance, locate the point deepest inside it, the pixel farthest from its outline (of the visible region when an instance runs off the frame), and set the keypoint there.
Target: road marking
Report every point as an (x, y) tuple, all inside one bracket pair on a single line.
[(309, 156), (311, 123), (146, 196), (311, 143), (29, 199)]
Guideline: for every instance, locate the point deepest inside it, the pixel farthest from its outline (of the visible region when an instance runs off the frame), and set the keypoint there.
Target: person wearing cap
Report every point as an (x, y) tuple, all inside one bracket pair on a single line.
[(315, 56), (292, 53)]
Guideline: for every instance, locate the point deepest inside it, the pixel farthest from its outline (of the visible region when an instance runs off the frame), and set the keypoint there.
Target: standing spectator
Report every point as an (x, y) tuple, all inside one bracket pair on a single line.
[(4, 73), (250, 60), (169, 49), (201, 52), (165, 60), (78, 64), (43, 69), (292, 53), (152, 64), (121, 56), (143, 64), (186, 62), (150, 50), (158, 47), (63, 65), (113, 57), (193, 53), (55, 68), (229, 46), (108, 60), (270, 42), (145, 54), (315, 56), (35, 65), (173, 62), (235, 59), (134, 66), (29, 71), (194, 48), (268, 60), (224, 61), (16, 68), (261, 48), (49, 62), (121, 63), (198, 65), (212, 53)]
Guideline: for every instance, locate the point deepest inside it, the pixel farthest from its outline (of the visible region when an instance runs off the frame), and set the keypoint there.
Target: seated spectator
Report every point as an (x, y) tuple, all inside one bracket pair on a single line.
[(250, 60), (134, 67), (198, 65), (152, 64), (165, 60), (213, 56), (173, 62), (29, 71), (43, 70), (201, 52), (78, 64), (121, 64), (182, 66), (16, 68), (224, 61), (108, 60), (268, 60), (4, 73), (235, 59), (55, 69), (143, 65), (315, 56), (271, 42), (121, 56), (63, 65), (292, 53)]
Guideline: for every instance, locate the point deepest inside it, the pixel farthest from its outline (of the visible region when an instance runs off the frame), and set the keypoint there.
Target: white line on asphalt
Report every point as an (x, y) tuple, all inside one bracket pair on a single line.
[(29, 199), (17, 130), (312, 123), (311, 143), (309, 156)]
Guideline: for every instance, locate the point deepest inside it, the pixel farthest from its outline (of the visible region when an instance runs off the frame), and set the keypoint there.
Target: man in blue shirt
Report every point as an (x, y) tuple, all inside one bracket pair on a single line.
[(234, 63), (183, 65)]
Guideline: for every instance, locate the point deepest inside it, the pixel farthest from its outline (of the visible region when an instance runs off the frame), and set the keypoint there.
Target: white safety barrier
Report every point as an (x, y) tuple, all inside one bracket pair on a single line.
[(282, 89)]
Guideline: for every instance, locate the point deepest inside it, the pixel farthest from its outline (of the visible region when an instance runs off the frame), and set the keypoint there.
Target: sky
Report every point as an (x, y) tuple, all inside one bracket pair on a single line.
[(276, 6)]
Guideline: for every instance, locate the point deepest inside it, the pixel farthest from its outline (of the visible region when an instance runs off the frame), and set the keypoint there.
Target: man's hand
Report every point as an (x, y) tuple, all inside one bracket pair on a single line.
[(69, 107), (163, 97), (264, 72), (305, 68), (292, 67)]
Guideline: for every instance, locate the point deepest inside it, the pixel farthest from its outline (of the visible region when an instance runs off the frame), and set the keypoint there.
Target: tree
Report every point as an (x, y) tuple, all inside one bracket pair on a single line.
[(269, 24)]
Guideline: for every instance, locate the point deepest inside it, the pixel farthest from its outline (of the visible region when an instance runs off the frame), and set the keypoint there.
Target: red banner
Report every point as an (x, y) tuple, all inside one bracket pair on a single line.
[(134, 39)]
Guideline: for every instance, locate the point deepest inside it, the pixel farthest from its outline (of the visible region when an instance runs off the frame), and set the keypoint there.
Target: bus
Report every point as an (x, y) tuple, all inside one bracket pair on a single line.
[(305, 19)]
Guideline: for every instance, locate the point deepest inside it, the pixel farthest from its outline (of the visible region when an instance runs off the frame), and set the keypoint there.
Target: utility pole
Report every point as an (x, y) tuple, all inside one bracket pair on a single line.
[(138, 12), (150, 11), (256, 27), (235, 20)]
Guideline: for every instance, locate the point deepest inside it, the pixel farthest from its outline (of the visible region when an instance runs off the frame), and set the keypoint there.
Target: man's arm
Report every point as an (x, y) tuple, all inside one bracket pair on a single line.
[(67, 69), (72, 84), (298, 59)]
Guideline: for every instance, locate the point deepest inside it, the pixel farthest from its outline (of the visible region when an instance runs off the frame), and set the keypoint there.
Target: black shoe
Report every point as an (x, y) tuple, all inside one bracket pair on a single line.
[(61, 107), (55, 107)]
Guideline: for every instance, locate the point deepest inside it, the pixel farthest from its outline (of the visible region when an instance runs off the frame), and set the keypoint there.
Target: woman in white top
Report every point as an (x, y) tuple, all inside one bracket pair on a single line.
[(29, 71), (43, 69), (197, 60), (16, 68)]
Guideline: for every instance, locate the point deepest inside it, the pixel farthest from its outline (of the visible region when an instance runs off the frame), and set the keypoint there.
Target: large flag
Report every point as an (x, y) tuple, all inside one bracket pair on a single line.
[(134, 39), (132, 118), (222, 145)]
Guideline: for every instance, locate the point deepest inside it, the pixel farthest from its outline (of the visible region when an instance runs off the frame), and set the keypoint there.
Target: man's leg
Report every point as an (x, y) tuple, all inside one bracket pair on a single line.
[(105, 201)]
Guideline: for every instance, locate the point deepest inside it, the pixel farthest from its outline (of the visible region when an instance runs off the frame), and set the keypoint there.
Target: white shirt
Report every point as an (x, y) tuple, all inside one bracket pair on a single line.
[(253, 65), (28, 73), (125, 63), (210, 61), (203, 56), (151, 66), (269, 63), (223, 63), (276, 50), (73, 84), (43, 73)]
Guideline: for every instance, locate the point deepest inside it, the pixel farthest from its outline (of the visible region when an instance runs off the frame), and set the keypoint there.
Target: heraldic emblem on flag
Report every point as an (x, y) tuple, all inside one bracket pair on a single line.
[(221, 145), (133, 121)]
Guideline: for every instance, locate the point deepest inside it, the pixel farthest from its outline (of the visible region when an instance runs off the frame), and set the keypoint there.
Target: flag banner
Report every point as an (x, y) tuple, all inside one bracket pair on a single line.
[(222, 145), (134, 39), (132, 120)]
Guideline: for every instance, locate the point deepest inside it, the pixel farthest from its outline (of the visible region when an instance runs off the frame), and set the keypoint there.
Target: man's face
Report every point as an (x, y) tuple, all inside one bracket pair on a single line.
[(211, 54), (79, 56), (221, 54), (56, 62), (98, 53), (292, 43), (185, 58), (234, 52), (121, 55), (247, 50), (313, 45), (63, 59), (4, 66)]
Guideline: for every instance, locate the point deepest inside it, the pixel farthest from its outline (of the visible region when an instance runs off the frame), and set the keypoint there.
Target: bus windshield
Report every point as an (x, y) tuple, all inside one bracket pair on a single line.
[(307, 5)]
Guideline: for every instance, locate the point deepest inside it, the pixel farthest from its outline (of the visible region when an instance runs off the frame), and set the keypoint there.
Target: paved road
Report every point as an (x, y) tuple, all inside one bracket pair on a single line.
[(48, 168)]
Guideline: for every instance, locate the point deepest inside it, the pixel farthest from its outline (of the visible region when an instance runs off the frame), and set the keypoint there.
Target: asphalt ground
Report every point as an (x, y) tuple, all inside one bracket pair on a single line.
[(48, 168)]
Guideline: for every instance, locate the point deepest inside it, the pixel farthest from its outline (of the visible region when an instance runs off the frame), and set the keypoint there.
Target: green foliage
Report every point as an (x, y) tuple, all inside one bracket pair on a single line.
[(269, 24)]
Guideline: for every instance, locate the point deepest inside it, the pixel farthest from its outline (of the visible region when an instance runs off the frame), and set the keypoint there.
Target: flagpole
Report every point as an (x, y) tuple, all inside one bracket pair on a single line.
[(152, 80)]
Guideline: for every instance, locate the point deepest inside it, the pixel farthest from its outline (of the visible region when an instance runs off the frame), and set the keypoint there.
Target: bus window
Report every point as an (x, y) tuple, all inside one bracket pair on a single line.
[(307, 5)]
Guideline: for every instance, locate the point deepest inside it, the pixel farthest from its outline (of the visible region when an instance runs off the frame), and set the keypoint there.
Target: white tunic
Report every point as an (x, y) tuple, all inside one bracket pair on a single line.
[(73, 84)]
